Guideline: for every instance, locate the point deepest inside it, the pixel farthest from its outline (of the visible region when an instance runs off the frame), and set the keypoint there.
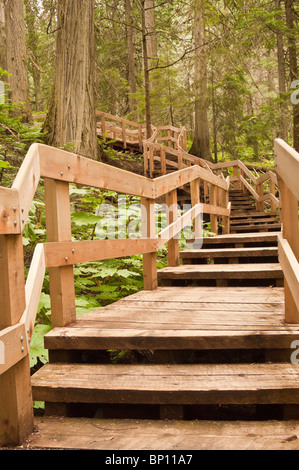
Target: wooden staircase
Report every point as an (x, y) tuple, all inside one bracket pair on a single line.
[(203, 353), (210, 343), (199, 352)]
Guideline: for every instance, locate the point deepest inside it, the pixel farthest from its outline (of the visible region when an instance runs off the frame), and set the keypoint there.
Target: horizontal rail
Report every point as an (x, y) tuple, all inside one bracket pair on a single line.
[(290, 267), (178, 225), (68, 253), (287, 167)]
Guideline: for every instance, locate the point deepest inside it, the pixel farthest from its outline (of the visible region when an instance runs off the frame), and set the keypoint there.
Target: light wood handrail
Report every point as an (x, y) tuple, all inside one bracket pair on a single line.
[(287, 167)]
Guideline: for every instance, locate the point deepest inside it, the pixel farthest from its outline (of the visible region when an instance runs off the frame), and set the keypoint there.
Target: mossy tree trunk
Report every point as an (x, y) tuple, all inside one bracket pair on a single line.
[(16, 58), (71, 120)]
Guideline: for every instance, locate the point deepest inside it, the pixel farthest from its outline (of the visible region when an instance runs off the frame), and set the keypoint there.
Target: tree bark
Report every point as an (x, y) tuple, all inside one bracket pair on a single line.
[(289, 5), (131, 57), (2, 38), (146, 74), (71, 120), (283, 125), (201, 142), (16, 55), (150, 31), (32, 42)]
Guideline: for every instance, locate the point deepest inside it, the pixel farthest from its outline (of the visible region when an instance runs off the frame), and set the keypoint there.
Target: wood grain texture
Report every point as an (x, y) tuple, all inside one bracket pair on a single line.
[(132, 435)]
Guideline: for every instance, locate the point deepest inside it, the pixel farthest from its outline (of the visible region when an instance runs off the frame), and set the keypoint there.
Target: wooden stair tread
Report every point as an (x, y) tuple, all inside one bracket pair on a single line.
[(229, 252), (255, 227), (250, 221), (226, 271), (168, 384), (242, 238), (133, 435), (254, 215), (183, 318)]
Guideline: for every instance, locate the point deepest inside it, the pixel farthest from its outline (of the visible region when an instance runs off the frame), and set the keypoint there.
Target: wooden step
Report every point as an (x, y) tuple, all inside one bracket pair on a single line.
[(238, 240), (228, 253), (255, 227), (182, 318), (254, 215), (168, 384), (252, 221), (144, 435), (223, 271)]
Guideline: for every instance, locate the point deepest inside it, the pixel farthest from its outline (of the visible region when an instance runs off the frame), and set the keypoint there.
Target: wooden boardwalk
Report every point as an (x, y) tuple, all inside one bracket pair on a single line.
[(205, 346)]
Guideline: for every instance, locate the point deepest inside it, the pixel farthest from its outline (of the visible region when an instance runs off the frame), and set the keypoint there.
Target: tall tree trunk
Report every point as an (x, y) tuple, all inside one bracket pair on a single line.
[(2, 38), (16, 55), (151, 36), (131, 57), (201, 142), (72, 115), (289, 5), (283, 125), (32, 41), (146, 74)]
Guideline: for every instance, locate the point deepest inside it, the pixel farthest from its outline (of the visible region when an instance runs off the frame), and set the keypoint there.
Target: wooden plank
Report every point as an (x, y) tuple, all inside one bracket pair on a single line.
[(287, 165), (244, 295), (229, 253), (243, 238), (219, 271), (169, 384), (33, 288), (255, 227), (65, 166), (157, 337), (27, 181), (175, 227), (13, 348), (10, 212), (290, 268), (167, 183), (133, 435), (12, 280), (249, 187), (58, 222), (215, 210), (150, 280), (69, 253), (16, 414)]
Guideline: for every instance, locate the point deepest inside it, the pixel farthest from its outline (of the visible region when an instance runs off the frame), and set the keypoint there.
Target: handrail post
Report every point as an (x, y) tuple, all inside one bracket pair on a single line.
[(163, 161), (16, 410), (172, 215), (124, 135), (237, 183), (225, 203), (289, 218), (272, 191), (213, 202), (260, 204), (58, 222), (150, 274), (195, 199)]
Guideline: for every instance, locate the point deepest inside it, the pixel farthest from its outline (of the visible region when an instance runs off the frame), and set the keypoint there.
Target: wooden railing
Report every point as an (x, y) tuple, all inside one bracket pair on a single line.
[(287, 168), (19, 300), (262, 188), (119, 129)]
